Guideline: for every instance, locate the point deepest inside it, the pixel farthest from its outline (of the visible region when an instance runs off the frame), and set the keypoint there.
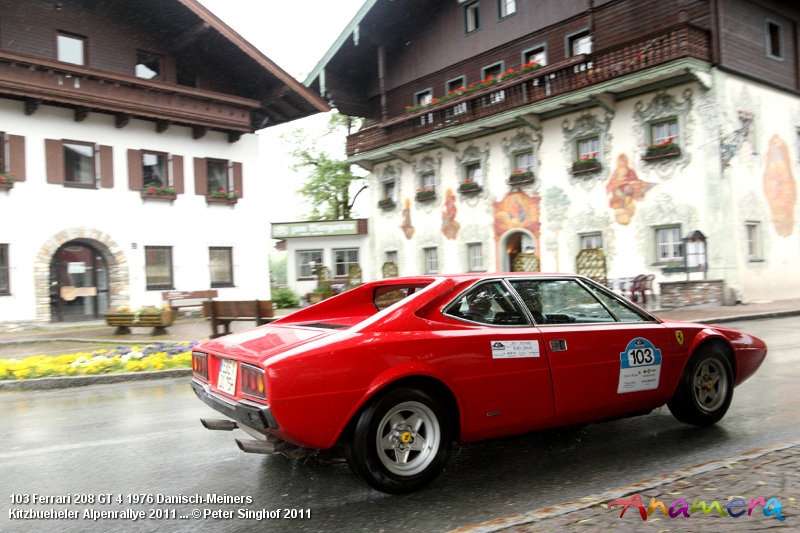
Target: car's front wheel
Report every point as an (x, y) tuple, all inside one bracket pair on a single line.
[(401, 441), (705, 390)]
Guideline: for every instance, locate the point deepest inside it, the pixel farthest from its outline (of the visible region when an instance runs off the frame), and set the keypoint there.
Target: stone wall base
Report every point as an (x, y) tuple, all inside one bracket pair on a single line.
[(693, 292)]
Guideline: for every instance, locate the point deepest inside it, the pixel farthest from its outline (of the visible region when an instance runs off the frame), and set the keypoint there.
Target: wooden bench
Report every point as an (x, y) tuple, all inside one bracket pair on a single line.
[(177, 299), (223, 312)]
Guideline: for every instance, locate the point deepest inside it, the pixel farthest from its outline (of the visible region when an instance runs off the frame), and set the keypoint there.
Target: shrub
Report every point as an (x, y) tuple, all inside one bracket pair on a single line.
[(283, 298)]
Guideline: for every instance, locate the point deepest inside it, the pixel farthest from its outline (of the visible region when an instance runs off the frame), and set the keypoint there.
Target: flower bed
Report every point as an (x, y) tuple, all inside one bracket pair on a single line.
[(108, 361)]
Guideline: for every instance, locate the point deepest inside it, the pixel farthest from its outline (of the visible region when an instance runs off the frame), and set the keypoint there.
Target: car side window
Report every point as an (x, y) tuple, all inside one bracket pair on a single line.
[(488, 303), (561, 302)]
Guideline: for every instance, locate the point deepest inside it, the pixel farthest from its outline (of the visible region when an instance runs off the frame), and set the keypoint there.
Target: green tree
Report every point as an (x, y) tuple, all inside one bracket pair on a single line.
[(329, 179)]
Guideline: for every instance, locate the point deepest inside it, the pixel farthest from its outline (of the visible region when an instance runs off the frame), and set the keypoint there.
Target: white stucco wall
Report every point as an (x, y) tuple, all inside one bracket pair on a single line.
[(33, 212)]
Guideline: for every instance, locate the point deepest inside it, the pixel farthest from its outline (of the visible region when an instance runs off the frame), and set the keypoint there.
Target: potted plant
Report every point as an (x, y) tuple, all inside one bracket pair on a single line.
[(157, 317), (520, 177), (318, 294), (223, 196), (585, 165), (386, 203), (425, 194), (662, 150), (6, 180), (469, 186), (163, 192)]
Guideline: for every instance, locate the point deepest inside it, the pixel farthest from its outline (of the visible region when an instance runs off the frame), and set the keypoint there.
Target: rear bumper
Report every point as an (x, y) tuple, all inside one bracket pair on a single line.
[(248, 413)]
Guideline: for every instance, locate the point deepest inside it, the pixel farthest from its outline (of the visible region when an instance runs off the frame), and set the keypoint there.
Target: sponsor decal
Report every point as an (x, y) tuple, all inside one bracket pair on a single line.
[(640, 366), (514, 349)]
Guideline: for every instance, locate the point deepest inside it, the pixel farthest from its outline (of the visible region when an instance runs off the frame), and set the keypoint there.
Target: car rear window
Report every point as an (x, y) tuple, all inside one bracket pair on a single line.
[(387, 295)]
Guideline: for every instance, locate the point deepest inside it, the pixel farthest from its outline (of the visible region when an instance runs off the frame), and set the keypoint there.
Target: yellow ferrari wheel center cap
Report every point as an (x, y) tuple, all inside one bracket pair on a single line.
[(406, 437), (709, 384)]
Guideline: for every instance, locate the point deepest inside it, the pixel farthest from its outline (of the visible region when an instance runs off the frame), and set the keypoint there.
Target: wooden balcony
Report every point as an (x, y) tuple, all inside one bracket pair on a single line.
[(537, 86), (41, 81)]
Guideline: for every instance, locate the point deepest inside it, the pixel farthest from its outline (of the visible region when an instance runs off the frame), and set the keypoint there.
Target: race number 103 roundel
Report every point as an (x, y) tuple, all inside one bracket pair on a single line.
[(639, 366)]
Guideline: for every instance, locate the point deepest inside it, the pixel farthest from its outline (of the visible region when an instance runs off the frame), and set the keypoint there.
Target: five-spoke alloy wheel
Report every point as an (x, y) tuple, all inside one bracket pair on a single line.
[(401, 441), (706, 388)]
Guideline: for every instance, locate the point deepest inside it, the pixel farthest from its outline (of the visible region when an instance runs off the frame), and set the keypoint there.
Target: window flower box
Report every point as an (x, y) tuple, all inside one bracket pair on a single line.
[(6, 180), (386, 204), (664, 150), (161, 193), (586, 166), (425, 195), (521, 177), (469, 187), (158, 318), (222, 197)]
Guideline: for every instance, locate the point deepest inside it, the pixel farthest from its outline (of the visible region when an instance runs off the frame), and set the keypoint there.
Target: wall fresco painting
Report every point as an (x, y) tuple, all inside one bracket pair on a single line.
[(780, 187), (624, 188), (517, 210), (450, 225), (407, 226)]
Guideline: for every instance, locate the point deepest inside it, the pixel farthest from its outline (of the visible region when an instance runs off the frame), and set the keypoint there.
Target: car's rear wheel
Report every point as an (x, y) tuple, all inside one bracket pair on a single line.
[(401, 441), (706, 388)]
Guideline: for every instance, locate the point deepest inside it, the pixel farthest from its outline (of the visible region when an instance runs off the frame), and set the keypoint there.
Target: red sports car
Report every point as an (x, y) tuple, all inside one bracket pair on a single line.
[(395, 370)]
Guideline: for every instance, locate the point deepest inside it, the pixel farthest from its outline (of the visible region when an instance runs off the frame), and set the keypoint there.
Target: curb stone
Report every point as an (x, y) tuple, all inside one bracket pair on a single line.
[(528, 521), (66, 382)]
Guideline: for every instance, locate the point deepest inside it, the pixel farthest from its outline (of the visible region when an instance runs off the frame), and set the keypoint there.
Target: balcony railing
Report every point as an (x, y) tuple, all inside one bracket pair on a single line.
[(578, 72), (37, 80)]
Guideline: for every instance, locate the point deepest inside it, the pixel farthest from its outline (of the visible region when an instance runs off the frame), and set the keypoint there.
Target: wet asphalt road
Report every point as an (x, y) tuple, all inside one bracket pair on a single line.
[(142, 444)]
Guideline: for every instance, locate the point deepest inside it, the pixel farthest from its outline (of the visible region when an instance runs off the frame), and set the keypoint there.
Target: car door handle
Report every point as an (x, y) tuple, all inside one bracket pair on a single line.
[(558, 345)]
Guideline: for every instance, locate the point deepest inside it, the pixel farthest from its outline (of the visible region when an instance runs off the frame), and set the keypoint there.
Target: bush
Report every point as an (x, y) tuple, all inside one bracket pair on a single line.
[(283, 298)]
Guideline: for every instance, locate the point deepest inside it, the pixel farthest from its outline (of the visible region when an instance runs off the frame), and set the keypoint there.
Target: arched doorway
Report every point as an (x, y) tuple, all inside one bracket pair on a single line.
[(519, 246), (78, 283)]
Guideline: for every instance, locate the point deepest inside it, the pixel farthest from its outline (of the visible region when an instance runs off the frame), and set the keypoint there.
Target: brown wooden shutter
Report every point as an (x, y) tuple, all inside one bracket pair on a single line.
[(16, 156), (177, 173), (200, 176), (54, 160), (237, 179), (106, 166), (135, 177)]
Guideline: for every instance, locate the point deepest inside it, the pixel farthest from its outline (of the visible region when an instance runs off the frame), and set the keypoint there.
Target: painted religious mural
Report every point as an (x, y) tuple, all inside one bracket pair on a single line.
[(780, 187), (450, 225), (623, 189), (517, 210), (406, 225)]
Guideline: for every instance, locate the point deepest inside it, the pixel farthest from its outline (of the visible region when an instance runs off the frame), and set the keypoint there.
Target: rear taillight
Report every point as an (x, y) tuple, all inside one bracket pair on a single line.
[(253, 382), (200, 364)]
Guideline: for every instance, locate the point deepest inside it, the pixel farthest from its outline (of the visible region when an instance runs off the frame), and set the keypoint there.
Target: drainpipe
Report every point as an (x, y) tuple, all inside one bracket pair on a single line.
[(382, 80)]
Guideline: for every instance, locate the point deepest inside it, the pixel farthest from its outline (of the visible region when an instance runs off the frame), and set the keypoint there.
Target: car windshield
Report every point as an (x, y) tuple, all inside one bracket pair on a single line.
[(567, 301)]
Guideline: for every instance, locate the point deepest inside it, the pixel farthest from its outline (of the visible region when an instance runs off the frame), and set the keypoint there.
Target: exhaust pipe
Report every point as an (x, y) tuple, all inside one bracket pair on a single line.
[(273, 446), (256, 446), (219, 424)]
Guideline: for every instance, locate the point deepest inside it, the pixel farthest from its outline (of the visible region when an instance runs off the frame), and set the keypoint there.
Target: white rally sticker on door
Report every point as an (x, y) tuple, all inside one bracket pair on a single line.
[(514, 349), (640, 366)]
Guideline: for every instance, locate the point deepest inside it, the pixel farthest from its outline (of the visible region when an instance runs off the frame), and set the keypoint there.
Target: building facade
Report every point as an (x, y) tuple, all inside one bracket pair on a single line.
[(338, 245), (505, 135), (129, 164)]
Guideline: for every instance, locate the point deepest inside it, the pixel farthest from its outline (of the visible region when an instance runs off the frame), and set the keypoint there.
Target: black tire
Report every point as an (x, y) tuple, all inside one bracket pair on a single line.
[(705, 390), (401, 441)]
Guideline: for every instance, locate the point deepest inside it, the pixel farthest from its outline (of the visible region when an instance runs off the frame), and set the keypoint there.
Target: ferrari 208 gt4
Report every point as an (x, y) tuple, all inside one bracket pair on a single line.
[(394, 371)]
